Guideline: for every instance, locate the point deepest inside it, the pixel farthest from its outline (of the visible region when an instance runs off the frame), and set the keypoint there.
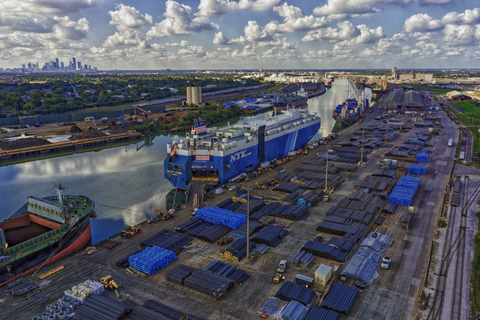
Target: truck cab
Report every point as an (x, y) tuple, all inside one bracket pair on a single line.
[(282, 266)]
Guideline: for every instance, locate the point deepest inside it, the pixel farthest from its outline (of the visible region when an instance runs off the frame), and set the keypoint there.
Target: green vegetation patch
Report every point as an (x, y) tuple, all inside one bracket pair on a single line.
[(472, 112), (476, 139), (434, 89), (475, 276), (442, 223)]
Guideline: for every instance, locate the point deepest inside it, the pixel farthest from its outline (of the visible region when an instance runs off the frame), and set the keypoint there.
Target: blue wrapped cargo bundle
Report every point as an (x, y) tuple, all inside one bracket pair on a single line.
[(151, 259), (422, 157), (220, 216), (417, 169), (340, 298), (404, 190)]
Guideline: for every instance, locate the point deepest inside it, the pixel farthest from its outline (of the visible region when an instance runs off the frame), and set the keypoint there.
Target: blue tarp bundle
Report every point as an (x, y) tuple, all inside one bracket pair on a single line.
[(417, 169), (422, 157), (404, 190), (151, 259), (363, 265), (221, 216)]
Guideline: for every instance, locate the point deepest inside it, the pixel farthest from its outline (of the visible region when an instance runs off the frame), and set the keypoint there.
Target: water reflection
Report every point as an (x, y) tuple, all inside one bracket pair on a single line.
[(126, 182)]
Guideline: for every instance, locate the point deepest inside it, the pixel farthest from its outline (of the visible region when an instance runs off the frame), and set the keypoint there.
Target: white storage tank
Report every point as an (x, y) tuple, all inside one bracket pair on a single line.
[(323, 274)]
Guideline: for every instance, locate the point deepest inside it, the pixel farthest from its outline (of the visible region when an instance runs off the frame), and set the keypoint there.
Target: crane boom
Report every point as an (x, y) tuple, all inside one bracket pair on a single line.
[(136, 107)]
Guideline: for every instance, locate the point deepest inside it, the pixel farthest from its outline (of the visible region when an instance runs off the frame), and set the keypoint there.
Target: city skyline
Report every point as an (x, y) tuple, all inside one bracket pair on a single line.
[(244, 34), (52, 66)]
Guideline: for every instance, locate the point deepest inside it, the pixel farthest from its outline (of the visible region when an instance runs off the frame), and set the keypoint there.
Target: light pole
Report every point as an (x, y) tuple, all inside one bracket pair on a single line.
[(248, 223)]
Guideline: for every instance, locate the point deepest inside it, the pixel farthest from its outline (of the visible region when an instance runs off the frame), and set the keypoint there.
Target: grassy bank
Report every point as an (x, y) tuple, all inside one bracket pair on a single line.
[(471, 111), (476, 139)]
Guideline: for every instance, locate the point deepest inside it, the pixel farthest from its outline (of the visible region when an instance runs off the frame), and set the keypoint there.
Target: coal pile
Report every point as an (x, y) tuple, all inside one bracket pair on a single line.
[(75, 129), (87, 135), (23, 143)]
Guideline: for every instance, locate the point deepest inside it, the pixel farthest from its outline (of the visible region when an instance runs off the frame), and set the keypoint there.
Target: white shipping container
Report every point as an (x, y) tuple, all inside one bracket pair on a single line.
[(219, 191), (265, 164), (292, 153)]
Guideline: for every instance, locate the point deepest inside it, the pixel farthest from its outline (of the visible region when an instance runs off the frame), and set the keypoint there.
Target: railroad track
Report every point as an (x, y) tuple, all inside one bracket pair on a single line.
[(454, 257)]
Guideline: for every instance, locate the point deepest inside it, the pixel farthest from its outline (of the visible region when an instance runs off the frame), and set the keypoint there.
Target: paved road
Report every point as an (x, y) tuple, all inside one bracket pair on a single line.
[(454, 107)]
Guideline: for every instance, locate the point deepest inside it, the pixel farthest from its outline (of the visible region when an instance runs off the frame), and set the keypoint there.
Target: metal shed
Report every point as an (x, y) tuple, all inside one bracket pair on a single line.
[(323, 274)]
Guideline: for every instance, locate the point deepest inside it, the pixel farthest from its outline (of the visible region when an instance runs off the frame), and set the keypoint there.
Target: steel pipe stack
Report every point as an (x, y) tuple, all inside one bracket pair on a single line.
[(179, 273), (272, 236), (325, 251), (167, 239), (100, 307), (340, 298), (321, 314), (235, 274), (204, 230), (209, 283), (290, 291), (238, 250)]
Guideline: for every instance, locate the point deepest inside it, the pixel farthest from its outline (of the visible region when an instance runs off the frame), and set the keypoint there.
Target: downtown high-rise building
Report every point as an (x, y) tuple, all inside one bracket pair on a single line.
[(56, 63), (74, 63), (62, 65), (79, 65)]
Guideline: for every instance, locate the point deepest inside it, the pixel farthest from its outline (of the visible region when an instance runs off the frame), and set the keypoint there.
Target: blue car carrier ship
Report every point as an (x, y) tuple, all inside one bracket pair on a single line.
[(224, 154)]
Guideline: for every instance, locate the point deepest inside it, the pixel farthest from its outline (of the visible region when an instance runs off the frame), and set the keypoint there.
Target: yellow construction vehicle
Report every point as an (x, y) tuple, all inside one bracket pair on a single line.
[(109, 283), (130, 231), (260, 186)]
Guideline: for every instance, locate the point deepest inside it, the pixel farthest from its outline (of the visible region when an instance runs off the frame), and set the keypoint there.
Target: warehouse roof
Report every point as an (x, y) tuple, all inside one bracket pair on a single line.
[(399, 98)]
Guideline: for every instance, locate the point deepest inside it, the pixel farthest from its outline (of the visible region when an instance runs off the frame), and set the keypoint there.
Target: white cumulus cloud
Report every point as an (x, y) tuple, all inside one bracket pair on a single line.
[(179, 19), (295, 20), (468, 17), (422, 22), (45, 6), (125, 38), (253, 33), (463, 35), (71, 30), (259, 4), (126, 17), (220, 39)]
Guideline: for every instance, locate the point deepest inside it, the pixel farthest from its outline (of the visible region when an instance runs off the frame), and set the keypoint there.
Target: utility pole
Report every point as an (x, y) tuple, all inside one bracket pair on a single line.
[(248, 223), (326, 173), (386, 131), (361, 157)]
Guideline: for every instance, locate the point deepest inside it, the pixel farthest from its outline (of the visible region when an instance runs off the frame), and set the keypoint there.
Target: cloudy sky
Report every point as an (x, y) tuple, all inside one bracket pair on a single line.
[(220, 34)]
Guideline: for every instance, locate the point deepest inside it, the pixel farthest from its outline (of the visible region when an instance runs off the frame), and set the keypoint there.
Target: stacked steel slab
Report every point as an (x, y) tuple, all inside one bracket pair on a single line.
[(179, 273), (348, 226), (167, 239), (237, 275), (238, 250), (221, 216), (291, 212), (390, 207), (317, 168), (340, 298), (255, 205), (163, 309), (321, 314), (100, 307), (203, 230), (262, 248), (325, 251), (142, 313), (272, 236), (290, 291), (242, 230), (302, 257), (151, 259), (288, 187)]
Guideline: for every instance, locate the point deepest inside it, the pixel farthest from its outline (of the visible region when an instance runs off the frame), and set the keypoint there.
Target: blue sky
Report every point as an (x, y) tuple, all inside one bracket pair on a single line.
[(220, 34)]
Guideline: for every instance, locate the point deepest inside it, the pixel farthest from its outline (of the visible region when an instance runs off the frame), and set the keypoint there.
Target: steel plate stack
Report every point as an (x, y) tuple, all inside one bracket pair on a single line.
[(167, 239), (238, 250), (255, 205), (272, 236), (417, 169), (208, 283), (390, 207), (239, 276), (324, 251), (203, 230), (242, 230), (288, 187), (151, 259), (179, 273), (290, 291), (221, 216), (303, 257), (291, 212), (321, 314), (167, 311), (100, 307), (340, 298)]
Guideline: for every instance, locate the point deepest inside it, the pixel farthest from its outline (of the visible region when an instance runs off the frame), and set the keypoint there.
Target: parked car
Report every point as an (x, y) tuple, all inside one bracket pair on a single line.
[(318, 239), (282, 171), (386, 262), (232, 188), (279, 168), (281, 225)]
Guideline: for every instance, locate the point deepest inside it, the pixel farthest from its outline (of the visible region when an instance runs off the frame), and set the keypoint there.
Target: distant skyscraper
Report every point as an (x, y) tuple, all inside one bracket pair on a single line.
[(23, 66), (79, 65), (62, 66), (29, 65), (74, 63), (85, 67), (56, 62), (89, 67), (394, 72)]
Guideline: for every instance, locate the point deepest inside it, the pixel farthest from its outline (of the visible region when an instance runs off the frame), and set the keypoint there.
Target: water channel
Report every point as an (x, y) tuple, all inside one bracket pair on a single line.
[(126, 184)]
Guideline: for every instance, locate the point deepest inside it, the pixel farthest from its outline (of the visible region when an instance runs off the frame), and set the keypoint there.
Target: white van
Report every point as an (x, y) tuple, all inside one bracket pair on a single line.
[(89, 119)]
